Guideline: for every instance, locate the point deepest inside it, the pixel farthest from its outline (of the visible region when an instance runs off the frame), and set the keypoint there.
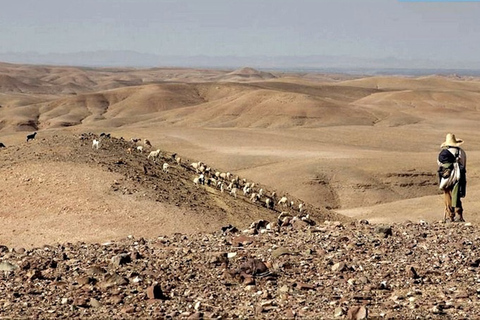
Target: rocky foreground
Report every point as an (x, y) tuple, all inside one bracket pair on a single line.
[(295, 271)]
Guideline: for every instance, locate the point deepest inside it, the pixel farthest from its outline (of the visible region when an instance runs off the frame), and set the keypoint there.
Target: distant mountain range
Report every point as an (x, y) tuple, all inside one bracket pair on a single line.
[(311, 63)]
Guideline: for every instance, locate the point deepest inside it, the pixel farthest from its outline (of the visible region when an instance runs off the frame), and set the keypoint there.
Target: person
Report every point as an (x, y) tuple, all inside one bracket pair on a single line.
[(452, 163)]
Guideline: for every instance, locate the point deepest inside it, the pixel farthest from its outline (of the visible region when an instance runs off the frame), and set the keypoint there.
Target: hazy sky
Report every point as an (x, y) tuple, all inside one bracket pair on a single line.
[(448, 31)]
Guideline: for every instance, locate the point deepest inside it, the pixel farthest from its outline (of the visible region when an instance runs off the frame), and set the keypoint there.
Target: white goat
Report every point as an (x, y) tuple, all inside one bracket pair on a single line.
[(199, 180), (196, 181), (165, 167), (211, 181), (140, 149), (233, 192), (96, 144), (196, 165), (269, 203), (154, 155), (301, 206), (283, 201)]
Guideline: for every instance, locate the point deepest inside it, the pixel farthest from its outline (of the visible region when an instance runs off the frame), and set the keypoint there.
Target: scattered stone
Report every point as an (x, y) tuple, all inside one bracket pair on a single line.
[(339, 267), (7, 266), (339, 312), (384, 230), (155, 292), (305, 286), (413, 273), (242, 241), (95, 303), (84, 280), (96, 271), (127, 310), (121, 259), (280, 252), (336, 273), (290, 314), (80, 302), (195, 316), (114, 279), (116, 299), (20, 250), (357, 313)]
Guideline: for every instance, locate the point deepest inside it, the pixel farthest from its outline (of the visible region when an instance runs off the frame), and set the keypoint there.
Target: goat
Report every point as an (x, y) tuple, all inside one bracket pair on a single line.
[(283, 201), (233, 192), (140, 149), (254, 197), (154, 154), (199, 180), (95, 144), (301, 206), (177, 159), (31, 136), (165, 167), (2, 145), (147, 143), (211, 181), (135, 140), (106, 135), (197, 165), (269, 203), (129, 150)]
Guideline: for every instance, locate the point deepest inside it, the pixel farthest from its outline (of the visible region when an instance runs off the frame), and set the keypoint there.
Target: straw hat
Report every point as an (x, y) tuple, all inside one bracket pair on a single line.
[(451, 141)]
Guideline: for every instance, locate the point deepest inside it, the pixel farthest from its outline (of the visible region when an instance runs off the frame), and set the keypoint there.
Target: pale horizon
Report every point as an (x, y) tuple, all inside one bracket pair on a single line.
[(418, 34)]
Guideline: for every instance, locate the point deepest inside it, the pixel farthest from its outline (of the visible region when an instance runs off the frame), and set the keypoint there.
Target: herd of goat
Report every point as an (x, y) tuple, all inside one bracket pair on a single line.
[(29, 137), (204, 175)]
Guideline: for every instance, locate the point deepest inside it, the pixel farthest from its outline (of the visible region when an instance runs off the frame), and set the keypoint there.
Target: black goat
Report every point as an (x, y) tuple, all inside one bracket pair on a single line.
[(31, 136), (2, 145)]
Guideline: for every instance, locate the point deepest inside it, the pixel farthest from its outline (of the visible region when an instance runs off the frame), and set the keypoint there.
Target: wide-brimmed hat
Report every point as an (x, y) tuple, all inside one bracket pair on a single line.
[(451, 141)]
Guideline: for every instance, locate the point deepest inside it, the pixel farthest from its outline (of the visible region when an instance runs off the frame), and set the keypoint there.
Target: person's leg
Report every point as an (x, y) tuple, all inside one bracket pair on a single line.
[(459, 210), (449, 211)]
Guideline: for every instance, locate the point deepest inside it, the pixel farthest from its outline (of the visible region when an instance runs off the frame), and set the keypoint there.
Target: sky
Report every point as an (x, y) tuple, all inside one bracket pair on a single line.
[(436, 30)]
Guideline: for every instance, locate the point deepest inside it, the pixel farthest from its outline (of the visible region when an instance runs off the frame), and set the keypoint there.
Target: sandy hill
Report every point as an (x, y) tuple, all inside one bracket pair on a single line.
[(420, 83), (78, 193), (247, 73), (211, 105), (10, 84)]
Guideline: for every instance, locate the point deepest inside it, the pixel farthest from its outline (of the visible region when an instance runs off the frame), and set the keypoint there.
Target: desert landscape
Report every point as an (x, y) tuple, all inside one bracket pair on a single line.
[(359, 152)]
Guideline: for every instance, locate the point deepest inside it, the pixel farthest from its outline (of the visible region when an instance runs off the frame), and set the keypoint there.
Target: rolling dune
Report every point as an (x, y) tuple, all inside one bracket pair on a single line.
[(364, 147)]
